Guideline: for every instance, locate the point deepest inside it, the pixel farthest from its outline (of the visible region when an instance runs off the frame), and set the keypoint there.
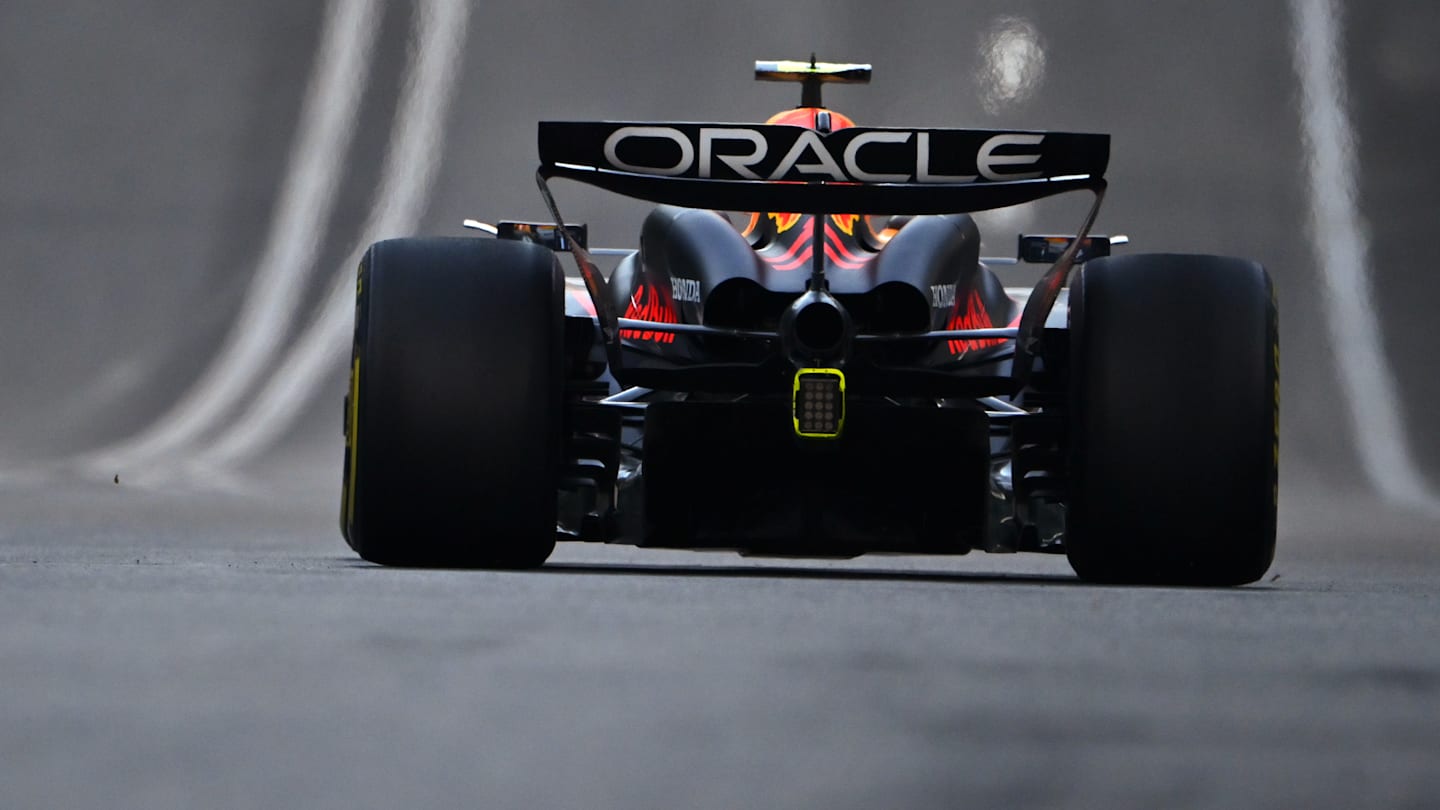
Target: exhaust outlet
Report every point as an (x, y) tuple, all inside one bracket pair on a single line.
[(816, 330)]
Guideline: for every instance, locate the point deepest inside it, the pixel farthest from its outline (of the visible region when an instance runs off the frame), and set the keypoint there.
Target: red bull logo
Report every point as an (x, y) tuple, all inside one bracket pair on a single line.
[(972, 316), (648, 303)]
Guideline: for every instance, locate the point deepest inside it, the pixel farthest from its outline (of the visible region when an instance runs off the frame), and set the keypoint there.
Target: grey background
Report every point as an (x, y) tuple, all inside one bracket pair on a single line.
[(143, 146), (211, 643)]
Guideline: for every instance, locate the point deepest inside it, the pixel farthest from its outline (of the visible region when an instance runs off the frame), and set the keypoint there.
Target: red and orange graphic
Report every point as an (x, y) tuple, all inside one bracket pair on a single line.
[(649, 303), (784, 222), (974, 315), (845, 222), (841, 255)]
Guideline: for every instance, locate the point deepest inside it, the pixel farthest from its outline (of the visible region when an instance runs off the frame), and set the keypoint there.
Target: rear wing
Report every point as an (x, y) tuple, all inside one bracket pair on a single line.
[(740, 167), (757, 167)]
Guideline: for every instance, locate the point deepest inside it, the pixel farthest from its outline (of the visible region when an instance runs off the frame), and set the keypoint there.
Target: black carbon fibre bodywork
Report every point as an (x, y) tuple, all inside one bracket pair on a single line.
[(732, 475), (712, 461), (707, 329), (695, 267)]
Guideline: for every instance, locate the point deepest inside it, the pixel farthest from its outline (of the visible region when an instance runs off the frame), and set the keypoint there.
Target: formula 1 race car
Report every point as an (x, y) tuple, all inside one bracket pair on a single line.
[(807, 356)]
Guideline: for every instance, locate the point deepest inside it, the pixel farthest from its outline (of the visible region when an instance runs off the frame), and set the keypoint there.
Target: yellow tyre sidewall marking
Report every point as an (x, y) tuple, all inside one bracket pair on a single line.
[(1275, 399), (353, 442)]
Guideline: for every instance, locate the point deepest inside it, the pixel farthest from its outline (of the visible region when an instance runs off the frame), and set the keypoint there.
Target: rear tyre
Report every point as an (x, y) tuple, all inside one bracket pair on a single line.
[(1174, 440), (454, 413)]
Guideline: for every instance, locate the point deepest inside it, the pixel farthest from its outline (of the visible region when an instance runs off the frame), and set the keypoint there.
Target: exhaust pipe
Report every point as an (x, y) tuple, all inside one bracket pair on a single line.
[(816, 331)]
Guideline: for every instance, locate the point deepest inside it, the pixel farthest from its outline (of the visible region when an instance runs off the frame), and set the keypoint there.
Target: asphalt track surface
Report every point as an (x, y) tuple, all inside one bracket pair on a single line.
[(196, 651), (182, 632)]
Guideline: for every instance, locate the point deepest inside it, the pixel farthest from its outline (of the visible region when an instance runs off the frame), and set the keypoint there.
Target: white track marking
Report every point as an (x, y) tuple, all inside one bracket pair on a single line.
[(1342, 248), (417, 146), (326, 127)]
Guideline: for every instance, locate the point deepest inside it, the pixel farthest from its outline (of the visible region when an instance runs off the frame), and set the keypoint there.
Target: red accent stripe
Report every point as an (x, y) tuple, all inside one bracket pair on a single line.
[(838, 261), (799, 252), (798, 261), (802, 250), (846, 258), (794, 248)]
